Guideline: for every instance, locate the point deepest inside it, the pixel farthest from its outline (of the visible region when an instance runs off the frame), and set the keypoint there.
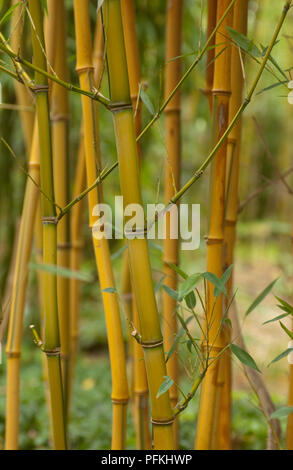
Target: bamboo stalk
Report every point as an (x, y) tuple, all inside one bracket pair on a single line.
[(211, 388), (212, 17), (140, 387), (13, 346), (232, 179), (75, 258), (114, 329), (162, 415), (77, 210), (59, 125), (51, 345), (24, 97), (172, 181)]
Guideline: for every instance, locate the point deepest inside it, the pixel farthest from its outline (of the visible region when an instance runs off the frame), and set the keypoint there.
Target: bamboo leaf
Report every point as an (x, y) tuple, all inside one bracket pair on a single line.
[(243, 356), (190, 300), (164, 387), (282, 412), (8, 13), (288, 332), (171, 292), (279, 317), (147, 102), (219, 283), (281, 356), (177, 339), (226, 275), (188, 285), (260, 297), (44, 5), (178, 270), (100, 4), (244, 42), (109, 290), (285, 306), (274, 85), (63, 272)]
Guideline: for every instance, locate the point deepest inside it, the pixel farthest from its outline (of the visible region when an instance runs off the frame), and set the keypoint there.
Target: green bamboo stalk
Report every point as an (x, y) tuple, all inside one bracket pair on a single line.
[(162, 415), (51, 345)]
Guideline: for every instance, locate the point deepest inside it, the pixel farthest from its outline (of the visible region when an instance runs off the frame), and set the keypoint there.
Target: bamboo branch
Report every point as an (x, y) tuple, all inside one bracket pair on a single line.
[(258, 191)]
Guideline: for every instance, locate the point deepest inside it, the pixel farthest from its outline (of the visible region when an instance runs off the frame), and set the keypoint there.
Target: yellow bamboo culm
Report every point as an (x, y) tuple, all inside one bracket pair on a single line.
[(24, 244), (140, 387), (51, 343), (210, 64), (240, 14), (172, 183), (151, 336), (13, 347), (114, 329), (76, 237), (59, 124), (206, 434), (24, 96)]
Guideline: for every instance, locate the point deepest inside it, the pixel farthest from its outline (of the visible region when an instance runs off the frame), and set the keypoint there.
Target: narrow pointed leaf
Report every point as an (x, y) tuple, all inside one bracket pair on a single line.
[(282, 412), (164, 387), (244, 357), (281, 356), (260, 297)]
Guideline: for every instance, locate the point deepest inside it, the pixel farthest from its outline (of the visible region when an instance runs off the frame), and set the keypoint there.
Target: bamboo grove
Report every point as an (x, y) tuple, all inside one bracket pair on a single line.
[(90, 132)]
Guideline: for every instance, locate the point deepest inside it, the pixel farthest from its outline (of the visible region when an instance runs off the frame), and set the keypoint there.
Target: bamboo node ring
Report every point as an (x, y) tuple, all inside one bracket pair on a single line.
[(230, 223), (154, 344), (12, 355), (162, 422), (213, 240), (33, 165), (52, 352), (40, 88), (64, 246), (119, 106), (120, 401), (59, 117), (50, 220)]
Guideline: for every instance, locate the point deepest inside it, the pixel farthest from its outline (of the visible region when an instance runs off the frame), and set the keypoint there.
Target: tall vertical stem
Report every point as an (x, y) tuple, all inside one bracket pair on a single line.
[(211, 387), (140, 387), (172, 182), (59, 125), (162, 415), (13, 346), (232, 179), (51, 329), (84, 68), (210, 64)]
